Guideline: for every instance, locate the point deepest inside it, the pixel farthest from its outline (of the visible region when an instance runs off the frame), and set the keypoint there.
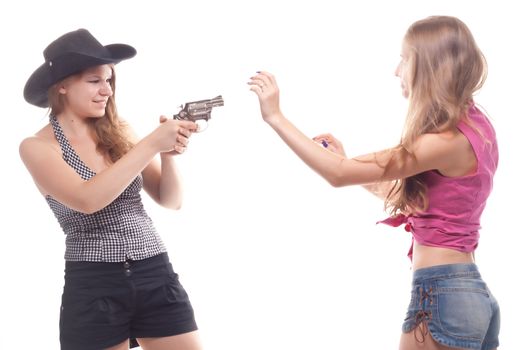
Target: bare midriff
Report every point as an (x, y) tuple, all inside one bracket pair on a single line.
[(426, 256)]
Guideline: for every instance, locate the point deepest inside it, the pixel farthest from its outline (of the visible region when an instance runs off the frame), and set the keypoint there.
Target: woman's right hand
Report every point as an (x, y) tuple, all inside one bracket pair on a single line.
[(264, 85), (330, 143), (172, 135)]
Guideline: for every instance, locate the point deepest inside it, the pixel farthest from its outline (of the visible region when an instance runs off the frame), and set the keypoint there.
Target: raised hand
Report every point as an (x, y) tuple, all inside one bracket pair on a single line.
[(265, 87)]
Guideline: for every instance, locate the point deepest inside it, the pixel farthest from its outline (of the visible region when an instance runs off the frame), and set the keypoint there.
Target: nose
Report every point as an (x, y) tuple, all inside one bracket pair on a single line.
[(106, 90), (397, 72)]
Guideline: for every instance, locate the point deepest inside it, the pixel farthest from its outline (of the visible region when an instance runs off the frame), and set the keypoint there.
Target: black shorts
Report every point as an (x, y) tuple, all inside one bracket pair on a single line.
[(104, 304)]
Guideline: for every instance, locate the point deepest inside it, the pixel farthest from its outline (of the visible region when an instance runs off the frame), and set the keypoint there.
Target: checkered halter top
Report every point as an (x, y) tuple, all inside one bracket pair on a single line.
[(122, 230)]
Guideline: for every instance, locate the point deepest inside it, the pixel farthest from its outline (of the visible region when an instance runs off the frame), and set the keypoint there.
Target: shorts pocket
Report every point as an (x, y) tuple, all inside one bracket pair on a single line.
[(82, 307), (175, 293), (464, 311)]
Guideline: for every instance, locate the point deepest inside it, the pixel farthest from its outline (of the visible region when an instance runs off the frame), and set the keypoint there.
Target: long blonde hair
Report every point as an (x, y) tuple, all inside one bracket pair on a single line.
[(445, 69), (112, 137)]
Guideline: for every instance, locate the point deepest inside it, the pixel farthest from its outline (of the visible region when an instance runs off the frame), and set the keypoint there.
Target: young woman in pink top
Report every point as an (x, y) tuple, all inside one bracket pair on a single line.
[(435, 181)]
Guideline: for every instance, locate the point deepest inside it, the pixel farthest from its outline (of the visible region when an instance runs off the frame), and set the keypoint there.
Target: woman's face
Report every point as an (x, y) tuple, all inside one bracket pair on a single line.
[(87, 93), (402, 71)]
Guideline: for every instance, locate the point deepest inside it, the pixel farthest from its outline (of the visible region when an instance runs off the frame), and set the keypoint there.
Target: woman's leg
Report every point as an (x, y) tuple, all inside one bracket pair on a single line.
[(186, 341), (122, 346), (411, 341)]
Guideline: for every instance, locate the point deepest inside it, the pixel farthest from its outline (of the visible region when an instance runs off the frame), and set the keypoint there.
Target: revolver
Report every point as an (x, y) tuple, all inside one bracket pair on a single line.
[(199, 110)]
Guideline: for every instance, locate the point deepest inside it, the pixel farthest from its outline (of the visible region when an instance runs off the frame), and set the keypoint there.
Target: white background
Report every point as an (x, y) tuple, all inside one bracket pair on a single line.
[(271, 255)]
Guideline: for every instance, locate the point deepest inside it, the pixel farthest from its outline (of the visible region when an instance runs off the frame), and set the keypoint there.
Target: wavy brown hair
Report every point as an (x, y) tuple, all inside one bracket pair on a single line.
[(110, 131), (445, 69)]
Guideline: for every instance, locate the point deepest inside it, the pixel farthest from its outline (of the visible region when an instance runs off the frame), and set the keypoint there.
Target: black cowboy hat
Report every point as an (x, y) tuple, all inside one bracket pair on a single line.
[(69, 54)]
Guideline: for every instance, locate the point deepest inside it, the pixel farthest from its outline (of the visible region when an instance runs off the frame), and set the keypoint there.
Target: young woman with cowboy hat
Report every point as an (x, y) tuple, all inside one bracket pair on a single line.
[(120, 287), (436, 181)]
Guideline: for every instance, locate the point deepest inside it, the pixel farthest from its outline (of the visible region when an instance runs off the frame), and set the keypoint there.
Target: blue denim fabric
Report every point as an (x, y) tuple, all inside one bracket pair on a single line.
[(454, 304)]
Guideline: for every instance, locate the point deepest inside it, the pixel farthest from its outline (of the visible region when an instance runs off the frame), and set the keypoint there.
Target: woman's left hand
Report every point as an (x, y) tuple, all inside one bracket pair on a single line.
[(330, 143), (181, 141), (266, 89)]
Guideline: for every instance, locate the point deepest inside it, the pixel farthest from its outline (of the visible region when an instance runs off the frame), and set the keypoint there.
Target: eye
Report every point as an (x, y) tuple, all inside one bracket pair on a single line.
[(93, 81)]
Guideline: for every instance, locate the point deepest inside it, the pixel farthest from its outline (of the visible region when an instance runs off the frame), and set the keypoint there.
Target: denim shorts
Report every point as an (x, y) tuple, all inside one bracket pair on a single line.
[(454, 305), (104, 304)]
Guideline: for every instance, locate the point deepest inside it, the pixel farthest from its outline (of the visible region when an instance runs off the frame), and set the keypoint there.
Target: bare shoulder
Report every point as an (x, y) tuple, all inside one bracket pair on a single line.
[(443, 142), (42, 142), (449, 152)]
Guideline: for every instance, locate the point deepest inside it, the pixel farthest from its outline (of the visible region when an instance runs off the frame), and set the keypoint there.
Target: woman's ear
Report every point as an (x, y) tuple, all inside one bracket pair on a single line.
[(62, 86)]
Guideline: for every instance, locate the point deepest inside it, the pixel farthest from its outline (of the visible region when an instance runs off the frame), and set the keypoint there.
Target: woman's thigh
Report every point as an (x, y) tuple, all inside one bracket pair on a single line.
[(122, 346), (409, 342), (412, 341), (186, 341)]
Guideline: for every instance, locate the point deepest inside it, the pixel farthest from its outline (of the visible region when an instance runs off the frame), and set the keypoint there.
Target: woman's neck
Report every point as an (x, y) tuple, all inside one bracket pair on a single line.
[(75, 126)]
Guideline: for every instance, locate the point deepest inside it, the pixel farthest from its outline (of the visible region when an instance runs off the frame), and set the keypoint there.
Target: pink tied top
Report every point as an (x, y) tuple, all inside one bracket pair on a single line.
[(452, 219)]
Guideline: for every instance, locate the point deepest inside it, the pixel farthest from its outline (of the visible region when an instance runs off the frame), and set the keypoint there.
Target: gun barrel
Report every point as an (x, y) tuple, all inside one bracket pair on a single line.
[(217, 101), (206, 104)]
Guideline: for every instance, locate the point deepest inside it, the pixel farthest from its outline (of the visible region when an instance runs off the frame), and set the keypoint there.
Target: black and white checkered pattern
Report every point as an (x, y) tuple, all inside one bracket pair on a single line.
[(122, 230)]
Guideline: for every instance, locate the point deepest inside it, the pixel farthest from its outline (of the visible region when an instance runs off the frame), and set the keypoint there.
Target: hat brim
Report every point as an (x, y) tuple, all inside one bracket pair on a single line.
[(38, 84)]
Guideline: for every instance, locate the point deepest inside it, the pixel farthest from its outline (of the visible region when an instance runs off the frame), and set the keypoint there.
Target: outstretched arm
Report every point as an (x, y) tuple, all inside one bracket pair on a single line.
[(378, 189), (57, 179), (445, 151)]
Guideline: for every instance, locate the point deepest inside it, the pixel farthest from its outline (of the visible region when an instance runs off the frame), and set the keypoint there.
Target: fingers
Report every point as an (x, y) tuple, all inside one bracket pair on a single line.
[(324, 139), (326, 136), (187, 124), (184, 132), (176, 133), (268, 77), (323, 142), (177, 149), (180, 145), (182, 140), (183, 127), (330, 143), (255, 88), (263, 82)]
